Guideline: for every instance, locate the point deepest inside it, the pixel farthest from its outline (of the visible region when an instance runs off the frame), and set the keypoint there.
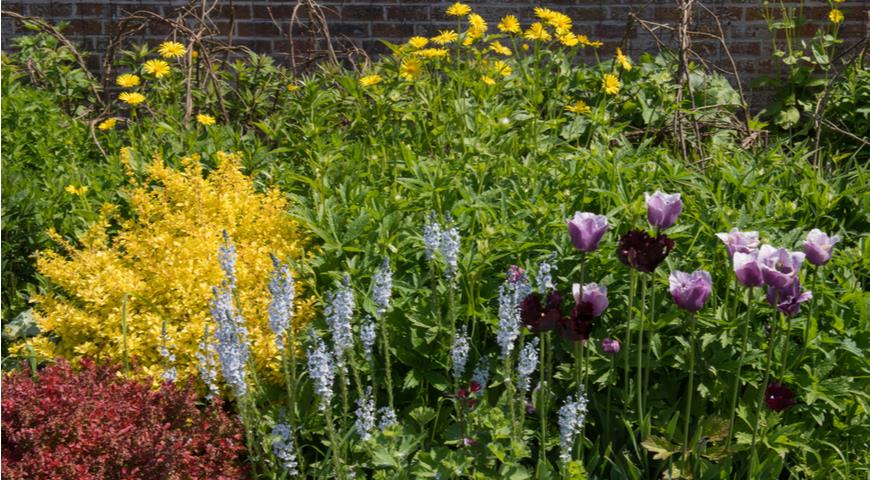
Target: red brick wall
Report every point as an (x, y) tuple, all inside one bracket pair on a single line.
[(366, 22)]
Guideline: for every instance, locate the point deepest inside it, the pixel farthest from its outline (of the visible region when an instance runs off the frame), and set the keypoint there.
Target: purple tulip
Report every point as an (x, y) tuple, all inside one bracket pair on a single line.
[(610, 346), (788, 300), (737, 241), (690, 291), (818, 246), (586, 230), (779, 267), (778, 397), (747, 269), (662, 209), (593, 294)]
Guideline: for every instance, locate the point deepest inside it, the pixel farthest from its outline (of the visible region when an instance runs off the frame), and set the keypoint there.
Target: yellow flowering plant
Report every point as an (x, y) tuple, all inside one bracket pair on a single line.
[(156, 270)]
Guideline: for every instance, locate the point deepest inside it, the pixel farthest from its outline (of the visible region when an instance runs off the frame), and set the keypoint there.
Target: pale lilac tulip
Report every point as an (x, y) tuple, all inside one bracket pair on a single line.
[(747, 269), (737, 241), (586, 230), (662, 209), (818, 246), (779, 267), (593, 294), (788, 300), (690, 291)]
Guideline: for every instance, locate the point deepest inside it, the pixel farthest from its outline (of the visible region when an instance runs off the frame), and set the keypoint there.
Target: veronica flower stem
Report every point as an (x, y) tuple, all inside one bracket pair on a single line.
[(690, 391), (289, 361), (345, 402), (761, 389), (388, 376), (333, 444), (512, 394), (736, 389)]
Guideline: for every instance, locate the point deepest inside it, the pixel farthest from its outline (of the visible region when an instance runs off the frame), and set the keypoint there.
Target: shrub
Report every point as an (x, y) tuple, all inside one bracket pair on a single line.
[(156, 272), (92, 424)]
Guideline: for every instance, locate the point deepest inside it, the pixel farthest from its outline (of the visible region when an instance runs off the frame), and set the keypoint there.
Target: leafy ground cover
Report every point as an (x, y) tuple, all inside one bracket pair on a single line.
[(433, 306)]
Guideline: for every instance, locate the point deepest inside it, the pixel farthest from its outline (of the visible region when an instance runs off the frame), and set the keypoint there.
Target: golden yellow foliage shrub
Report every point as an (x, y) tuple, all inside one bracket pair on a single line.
[(163, 260)]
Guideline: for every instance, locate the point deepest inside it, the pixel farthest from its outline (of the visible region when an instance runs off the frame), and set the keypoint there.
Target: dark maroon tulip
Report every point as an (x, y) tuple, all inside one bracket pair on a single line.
[(474, 387), (577, 326), (643, 252), (788, 300), (539, 317), (778, 397)]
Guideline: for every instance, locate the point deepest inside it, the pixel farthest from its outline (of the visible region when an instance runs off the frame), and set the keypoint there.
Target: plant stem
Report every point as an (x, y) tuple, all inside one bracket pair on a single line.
[(691, 387), (760, 401), (333, 441), (631, 292), (639, 386), (652, 318), (512, 394), (812, 309), (388, 375), (745, 338), (124, 333), (785, 347), (543, 394)]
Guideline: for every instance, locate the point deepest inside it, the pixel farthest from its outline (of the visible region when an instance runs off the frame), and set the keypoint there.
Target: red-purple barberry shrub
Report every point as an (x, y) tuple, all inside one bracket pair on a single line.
[(94, 424)]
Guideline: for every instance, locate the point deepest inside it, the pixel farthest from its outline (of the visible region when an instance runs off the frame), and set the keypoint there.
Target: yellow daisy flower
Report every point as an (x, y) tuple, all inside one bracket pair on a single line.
[(538, 32), (432, 52), (500, 49), (503, 68), (578, 107), (477, 24), (610, 84), (568, 39), (205, 119), (488, 80), (509, 24), (158, 68), (458, 10), (560, 21), (445, 36), (292, 87), (80, 191), (543, 13), (369, 80), (624, 61), (108, 124), (171, 50), (836, 16), (131, 98), (418, 42), (410, 68), (127, 80)]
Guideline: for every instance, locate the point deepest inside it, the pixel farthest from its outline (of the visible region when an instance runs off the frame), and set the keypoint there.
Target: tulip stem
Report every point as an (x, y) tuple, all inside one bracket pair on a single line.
[(652, 317), (809, 322), (690, 390), (639, 386), (785, 347), (631, 292), (762, 388), (745, 338)]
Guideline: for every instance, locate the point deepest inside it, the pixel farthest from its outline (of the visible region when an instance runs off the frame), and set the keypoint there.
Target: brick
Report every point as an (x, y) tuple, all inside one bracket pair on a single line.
[(359, 30), (581, 15), (362, 13), (417, 12), (392, 30), (52, 11), (744, 48), (84, 27), (91, 9), (258, 29)]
